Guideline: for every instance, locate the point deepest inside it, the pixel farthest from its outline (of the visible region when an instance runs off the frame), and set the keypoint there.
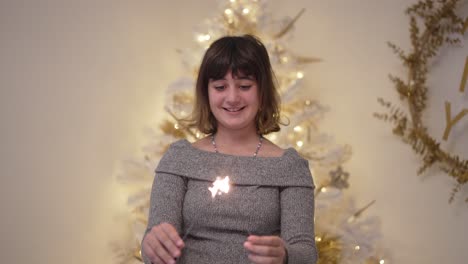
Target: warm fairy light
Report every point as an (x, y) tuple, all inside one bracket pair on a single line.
[(232, 1), (284, 59), (219, 186), (300, 75), (198, 135), (245, 11), (176, 126), (318, 239), (297, 128), (299, 143), (204, 37), (324, 189), (357, 248), (382, 261), (228, 11), (307, 102)]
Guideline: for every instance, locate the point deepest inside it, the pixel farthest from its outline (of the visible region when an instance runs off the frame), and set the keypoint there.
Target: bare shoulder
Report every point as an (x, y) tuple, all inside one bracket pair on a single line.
[(270, 149), (203, 144)]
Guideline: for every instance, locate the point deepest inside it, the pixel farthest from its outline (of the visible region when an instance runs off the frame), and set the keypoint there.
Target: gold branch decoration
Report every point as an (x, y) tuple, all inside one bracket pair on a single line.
[(290, 25), (439, 25), (330, 249)]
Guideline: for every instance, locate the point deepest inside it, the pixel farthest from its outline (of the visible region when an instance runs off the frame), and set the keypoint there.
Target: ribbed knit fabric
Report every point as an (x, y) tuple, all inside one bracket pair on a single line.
[(268, 196)]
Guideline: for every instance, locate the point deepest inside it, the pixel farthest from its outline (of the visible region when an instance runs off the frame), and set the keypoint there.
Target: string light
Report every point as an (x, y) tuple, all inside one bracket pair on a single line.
[(299, 143), (205, 37), (297, 129), (176, 126), (245, 11), (232, 1), (318, 239), (382, 261), (324, 189), (357, 248), (228, 11), (300, 75)]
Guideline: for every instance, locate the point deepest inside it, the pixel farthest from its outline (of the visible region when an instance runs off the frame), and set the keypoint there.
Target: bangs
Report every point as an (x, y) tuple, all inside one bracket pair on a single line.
[(231, 56)]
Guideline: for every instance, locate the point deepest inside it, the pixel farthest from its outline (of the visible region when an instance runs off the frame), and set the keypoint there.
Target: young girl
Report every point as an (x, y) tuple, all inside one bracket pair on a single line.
[(268, 214)]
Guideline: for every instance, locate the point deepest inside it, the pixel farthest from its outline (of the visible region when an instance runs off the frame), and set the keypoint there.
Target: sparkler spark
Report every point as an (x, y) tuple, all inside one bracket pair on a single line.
[(219, 186)]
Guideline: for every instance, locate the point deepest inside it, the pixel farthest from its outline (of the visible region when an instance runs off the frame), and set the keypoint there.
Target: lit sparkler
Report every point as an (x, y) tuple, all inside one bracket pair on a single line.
[(219, 186)]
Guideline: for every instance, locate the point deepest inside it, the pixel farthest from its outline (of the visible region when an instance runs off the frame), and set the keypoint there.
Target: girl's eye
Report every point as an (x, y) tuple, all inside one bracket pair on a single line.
[(219, 88), (245, 87)]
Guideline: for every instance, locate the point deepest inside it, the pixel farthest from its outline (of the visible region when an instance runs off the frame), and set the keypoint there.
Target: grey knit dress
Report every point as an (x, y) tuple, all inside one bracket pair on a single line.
[(268, 196)]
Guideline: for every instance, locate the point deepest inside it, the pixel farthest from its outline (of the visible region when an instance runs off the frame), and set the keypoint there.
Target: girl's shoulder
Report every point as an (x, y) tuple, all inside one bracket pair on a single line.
[(270, 149), (203, 144)]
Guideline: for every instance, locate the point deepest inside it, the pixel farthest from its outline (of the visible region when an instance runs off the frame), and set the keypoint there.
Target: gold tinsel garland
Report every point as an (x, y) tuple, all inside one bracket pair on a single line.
[(442, 26), (329, 248)]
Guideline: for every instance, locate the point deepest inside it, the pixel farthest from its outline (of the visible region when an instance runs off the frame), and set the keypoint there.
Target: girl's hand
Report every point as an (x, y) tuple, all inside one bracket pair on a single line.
[(265, 249), (162, 245)]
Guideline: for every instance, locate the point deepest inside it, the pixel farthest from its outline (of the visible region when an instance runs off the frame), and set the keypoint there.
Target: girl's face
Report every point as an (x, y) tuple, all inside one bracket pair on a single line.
[(234, 101)]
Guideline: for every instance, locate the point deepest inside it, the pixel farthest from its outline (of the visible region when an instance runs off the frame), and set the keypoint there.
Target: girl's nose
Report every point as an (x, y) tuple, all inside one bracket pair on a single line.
[(232, 95)]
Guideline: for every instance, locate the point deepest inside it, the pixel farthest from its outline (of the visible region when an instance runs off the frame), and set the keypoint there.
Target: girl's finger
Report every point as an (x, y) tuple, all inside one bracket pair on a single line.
[(262, 250)]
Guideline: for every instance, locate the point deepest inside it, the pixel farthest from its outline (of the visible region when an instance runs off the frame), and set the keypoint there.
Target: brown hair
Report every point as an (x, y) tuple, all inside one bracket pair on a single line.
[(241, 54)]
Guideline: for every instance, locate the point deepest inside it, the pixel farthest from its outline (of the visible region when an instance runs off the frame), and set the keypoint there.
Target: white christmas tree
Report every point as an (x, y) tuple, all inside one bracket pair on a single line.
[(343, 233)]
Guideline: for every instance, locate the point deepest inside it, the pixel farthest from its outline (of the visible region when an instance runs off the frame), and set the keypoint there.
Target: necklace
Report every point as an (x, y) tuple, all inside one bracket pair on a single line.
[(259, 145)]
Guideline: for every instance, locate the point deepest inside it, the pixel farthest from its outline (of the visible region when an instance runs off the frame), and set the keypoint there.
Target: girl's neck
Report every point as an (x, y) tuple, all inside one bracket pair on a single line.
[(241, 142), (236, 136)]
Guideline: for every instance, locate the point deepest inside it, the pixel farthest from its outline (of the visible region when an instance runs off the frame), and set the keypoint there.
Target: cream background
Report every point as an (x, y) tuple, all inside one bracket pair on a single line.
[(80, 79)]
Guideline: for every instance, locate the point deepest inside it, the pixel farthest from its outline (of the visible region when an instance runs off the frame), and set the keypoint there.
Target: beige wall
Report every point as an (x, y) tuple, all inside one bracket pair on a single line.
[(80, 79)]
